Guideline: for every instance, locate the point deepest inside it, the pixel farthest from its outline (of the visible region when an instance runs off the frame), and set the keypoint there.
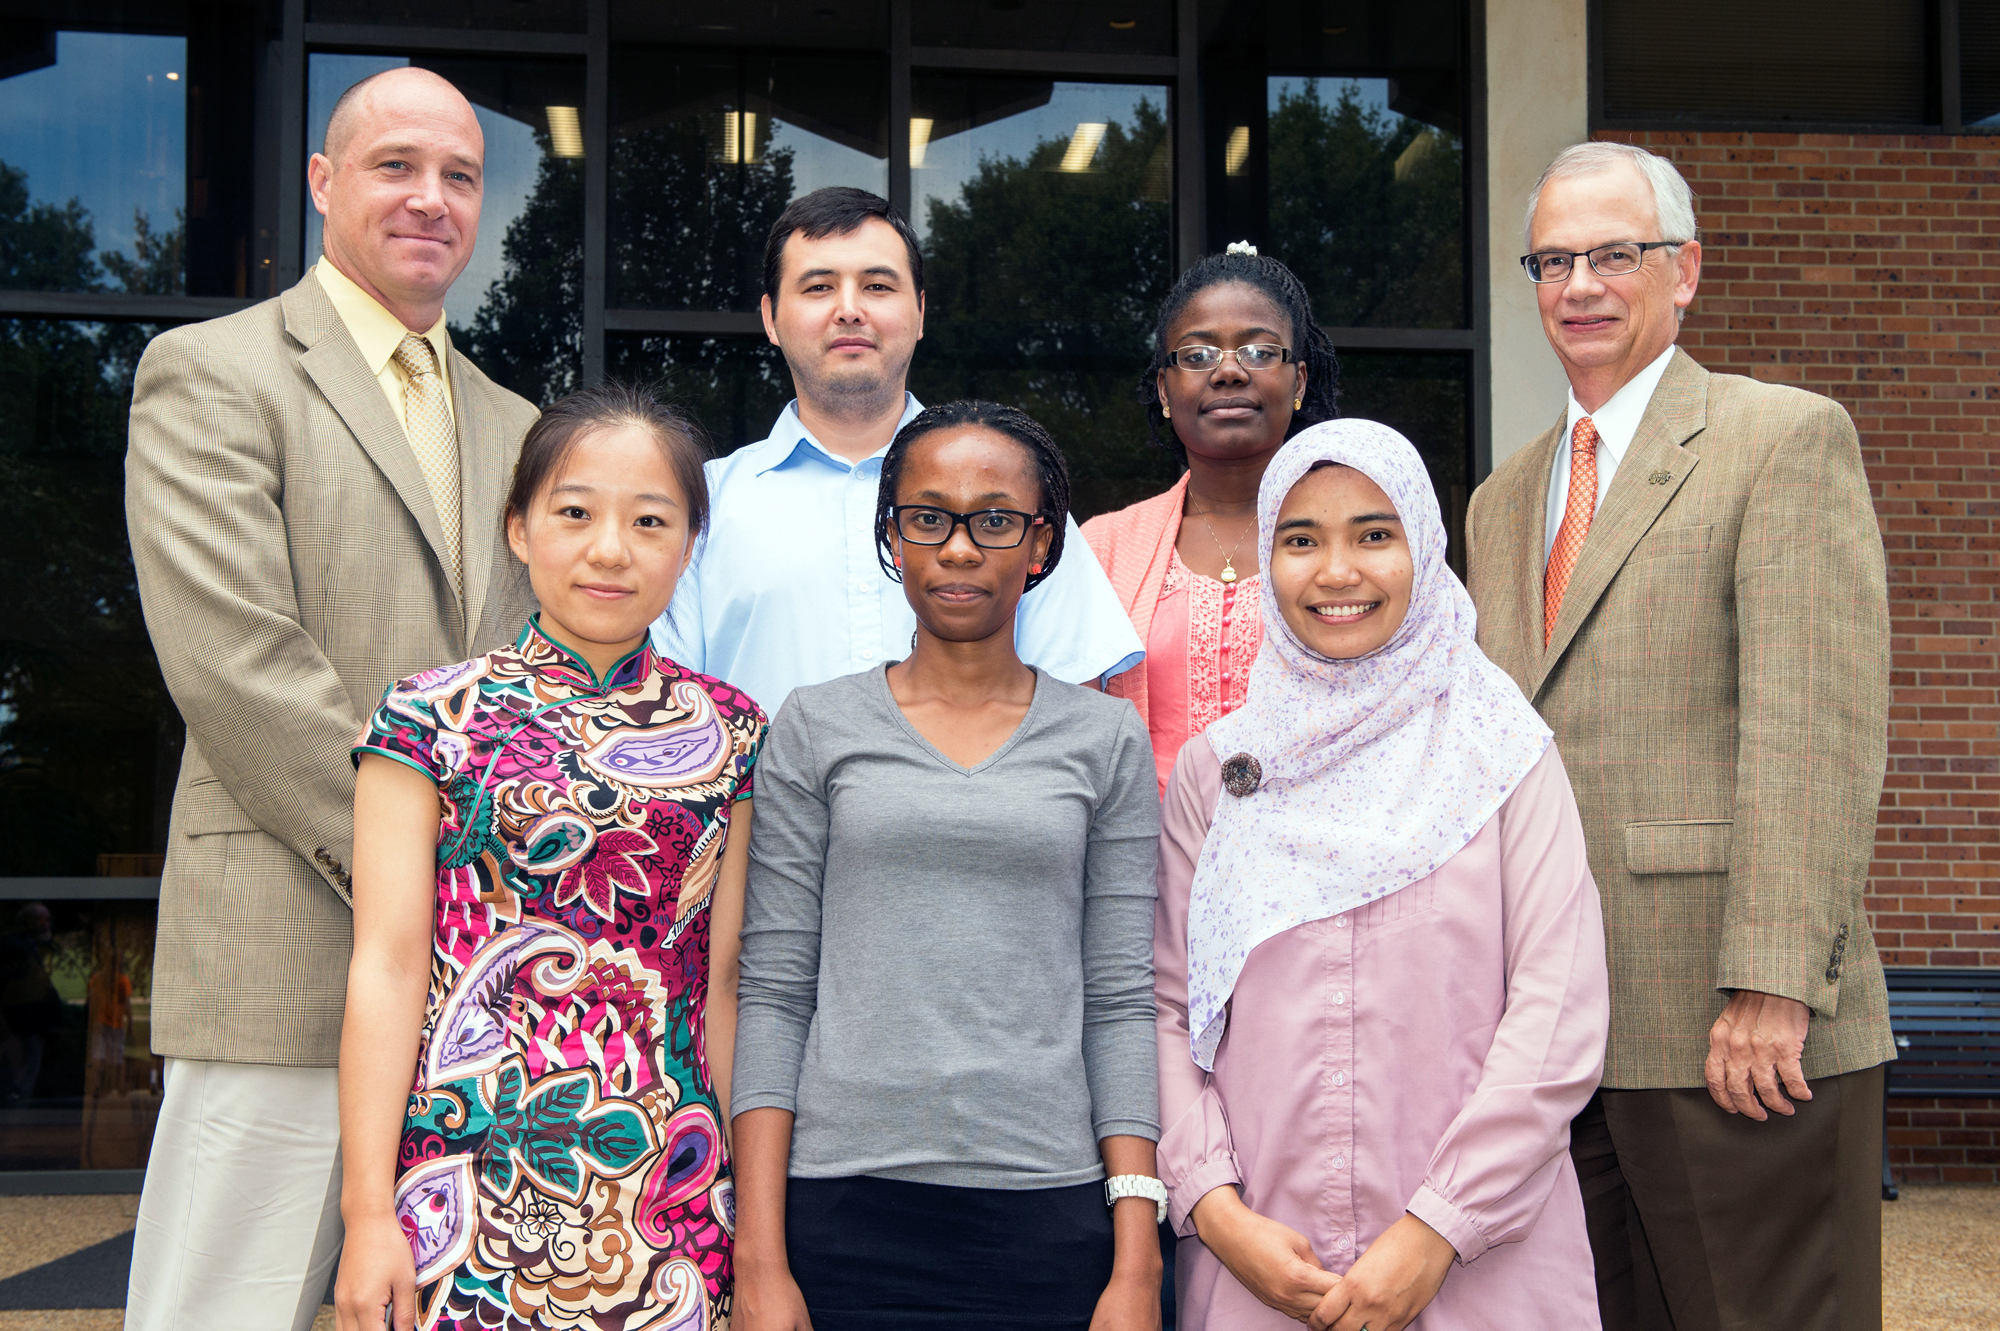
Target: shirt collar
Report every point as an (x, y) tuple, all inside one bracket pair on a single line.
[(791, 441), (558, 664), (376, 331), (1617, 421)]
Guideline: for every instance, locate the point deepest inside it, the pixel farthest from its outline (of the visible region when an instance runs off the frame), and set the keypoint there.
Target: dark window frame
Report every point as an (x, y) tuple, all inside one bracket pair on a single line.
[(1944, 95), (1180, 73)]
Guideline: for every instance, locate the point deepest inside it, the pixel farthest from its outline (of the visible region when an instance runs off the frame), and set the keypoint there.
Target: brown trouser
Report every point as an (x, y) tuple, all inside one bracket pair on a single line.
[(1702, 1220)]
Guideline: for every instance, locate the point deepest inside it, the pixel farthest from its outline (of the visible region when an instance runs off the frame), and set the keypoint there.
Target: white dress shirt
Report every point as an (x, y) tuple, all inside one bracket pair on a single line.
[(1616, 421), (785, 589)]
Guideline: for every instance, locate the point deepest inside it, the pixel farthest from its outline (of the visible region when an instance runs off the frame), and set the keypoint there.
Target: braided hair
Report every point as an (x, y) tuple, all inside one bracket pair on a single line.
[(1052, 473), (1275, 281)]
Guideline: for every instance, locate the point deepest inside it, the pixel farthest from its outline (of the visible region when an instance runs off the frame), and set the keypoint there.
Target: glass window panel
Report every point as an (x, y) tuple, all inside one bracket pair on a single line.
[(517, 309), (517, 15), (1128, 27), (1979, 65), (1425, 396), (1859, 61), (734, 386), (89, 740), (709, 145), (811, 25), (79, 1085), (1047, 251), (93, 160), (1334, 142), (1367, 206)]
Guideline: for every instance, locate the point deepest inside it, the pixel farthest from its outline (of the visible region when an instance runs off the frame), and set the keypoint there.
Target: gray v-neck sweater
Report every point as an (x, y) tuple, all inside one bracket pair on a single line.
[(947, 972)]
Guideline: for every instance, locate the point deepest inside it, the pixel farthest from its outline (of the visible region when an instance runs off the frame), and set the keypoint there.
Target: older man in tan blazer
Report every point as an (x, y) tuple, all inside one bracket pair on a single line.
[(313, 491), (1685, 577)]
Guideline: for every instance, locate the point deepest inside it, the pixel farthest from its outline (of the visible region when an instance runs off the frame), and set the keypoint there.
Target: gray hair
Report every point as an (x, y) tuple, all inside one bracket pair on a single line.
[(1673, 201)]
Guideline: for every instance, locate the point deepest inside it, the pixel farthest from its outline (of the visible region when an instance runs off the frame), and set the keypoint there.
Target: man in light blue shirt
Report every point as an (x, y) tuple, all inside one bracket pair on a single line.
[(785, 589)]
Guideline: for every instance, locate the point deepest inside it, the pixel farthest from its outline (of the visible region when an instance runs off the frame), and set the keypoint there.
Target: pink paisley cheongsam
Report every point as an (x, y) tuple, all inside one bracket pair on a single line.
[(562, 1164)]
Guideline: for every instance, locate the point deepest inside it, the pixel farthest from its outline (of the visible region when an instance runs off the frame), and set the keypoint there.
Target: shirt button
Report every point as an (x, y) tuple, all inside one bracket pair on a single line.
[(1339, 995), (868, 653), (1340, 1079), (861, 584), (1340, 1162), (1340, 921), (1340, 1240)]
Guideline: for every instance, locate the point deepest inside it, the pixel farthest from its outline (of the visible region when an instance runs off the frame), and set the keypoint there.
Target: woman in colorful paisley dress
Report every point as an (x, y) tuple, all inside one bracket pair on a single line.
[(550, 850)]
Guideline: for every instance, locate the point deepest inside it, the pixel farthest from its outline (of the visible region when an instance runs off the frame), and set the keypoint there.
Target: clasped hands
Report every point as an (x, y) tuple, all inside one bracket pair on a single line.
[(1384, 1290)]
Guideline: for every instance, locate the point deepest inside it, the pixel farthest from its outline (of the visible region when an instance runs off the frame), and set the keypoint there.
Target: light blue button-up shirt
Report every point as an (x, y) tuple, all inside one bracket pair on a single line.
[(785, 589)]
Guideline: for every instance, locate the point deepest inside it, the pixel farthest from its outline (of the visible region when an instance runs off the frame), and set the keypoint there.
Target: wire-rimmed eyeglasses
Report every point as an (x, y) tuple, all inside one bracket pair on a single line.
[(1613, 260), (989, 528), (1251, 356)]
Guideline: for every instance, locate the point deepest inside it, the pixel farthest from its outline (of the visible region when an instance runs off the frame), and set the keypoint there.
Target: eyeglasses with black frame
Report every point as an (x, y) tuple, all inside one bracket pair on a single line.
[(1613, 260), (989, 528), (1251, 356)]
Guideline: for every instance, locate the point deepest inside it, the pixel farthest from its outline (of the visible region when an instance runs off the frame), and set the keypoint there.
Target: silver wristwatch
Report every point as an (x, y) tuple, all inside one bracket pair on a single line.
[(1137, 1185)]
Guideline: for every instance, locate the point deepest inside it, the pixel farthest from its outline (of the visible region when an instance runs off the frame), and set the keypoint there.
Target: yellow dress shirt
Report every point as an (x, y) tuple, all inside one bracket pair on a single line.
[(378, 333)]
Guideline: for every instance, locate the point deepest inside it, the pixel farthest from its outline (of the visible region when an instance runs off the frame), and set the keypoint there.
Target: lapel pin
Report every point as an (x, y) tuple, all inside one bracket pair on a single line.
[(1659, 478)]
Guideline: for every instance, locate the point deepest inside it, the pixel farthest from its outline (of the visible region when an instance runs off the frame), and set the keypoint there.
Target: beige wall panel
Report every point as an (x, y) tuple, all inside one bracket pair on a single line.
[(1537, 104)]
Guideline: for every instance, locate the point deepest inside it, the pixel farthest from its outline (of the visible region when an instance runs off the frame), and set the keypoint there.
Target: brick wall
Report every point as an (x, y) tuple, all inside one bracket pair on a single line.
[(1867, 267)]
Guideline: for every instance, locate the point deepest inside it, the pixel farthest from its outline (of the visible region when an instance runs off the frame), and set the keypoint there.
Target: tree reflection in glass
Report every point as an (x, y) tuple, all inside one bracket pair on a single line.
[(1046, 265), (1367, 206)]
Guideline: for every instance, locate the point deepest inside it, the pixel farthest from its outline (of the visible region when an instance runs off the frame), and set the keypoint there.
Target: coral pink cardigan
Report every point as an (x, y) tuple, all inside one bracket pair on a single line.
[(1135, 546)]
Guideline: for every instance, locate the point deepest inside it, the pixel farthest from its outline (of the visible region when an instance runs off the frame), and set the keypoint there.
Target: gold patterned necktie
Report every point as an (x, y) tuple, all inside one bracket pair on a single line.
[(427, 422), (1577, 512)]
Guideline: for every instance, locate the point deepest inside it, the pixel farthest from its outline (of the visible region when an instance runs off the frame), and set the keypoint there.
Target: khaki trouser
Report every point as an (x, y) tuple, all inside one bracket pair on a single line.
[(239, 1225)]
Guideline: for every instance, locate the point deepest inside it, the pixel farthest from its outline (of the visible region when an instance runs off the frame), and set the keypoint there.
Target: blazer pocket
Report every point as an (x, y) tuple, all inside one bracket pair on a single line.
[(207, 809), (1666, 542), (1689, 845)]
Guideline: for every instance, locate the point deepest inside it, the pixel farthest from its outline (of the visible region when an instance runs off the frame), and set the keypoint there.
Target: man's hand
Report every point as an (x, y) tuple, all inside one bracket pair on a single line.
[(1389, 1284), (1272, 1261), (1754, 1046)]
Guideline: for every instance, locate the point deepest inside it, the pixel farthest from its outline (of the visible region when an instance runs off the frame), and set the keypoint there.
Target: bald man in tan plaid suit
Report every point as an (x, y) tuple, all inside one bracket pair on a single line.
[(313, 490), (1686, 579)]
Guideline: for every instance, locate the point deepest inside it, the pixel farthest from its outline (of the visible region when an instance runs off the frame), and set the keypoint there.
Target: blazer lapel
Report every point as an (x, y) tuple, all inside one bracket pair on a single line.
[(1531, 559), (335, 365), (1650, 475), (480, 448)]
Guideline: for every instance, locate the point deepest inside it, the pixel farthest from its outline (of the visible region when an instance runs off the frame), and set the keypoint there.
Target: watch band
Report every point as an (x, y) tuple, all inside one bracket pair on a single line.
[(1137, 1185)]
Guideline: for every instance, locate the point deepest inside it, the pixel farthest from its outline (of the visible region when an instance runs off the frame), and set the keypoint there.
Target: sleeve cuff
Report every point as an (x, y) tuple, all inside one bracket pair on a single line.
[(1453, 1224), (1197, 1183), (1127, 1127), (742, 1102)]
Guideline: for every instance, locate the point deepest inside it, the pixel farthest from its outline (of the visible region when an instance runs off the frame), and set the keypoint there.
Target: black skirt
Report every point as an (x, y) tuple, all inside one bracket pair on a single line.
[(875, 1254)]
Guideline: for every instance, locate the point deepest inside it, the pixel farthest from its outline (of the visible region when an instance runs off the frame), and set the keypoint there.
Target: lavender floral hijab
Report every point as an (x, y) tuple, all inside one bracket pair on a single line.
[(1368, 774)]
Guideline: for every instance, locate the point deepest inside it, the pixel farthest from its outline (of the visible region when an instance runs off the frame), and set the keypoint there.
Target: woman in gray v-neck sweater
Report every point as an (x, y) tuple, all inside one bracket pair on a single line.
[(947, 974), (947, 978)]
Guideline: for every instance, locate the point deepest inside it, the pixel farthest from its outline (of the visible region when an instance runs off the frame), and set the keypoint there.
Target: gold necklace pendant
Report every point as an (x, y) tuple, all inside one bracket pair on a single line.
[(1228, 571)]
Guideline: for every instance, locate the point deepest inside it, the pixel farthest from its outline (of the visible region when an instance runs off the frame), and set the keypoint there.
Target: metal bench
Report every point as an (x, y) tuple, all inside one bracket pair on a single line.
[(1946, 1025)]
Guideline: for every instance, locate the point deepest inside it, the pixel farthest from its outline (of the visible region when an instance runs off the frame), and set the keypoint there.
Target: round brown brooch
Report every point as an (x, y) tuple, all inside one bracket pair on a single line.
[(1241, 775)]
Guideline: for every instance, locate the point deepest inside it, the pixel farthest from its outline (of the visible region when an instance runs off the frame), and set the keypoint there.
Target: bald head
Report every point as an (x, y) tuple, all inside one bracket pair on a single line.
[(393, 92), (400, 185)]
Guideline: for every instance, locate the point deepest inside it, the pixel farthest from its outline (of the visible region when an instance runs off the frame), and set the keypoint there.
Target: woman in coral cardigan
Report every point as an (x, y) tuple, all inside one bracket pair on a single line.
[(1238, 367)]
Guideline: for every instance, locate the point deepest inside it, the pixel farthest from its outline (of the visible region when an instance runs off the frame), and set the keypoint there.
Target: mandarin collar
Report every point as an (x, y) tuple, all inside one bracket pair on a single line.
[(554, 662)]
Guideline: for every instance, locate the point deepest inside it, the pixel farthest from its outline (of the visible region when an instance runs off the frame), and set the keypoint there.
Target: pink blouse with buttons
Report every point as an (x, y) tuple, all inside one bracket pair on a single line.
[(1204, 637), (1423, 1053)]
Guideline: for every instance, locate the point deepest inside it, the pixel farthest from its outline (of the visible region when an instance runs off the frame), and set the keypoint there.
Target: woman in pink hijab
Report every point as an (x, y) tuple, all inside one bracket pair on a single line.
[(1379, 952)]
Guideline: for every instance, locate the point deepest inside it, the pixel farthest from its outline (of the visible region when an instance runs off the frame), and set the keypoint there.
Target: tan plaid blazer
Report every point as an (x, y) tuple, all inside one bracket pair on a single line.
[(291, 567), (1718, 684)]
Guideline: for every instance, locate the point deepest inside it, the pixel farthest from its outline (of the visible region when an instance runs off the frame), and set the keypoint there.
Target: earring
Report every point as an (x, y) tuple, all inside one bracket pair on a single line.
[(897, 559), (1166, 410), (1034, 568), (1298, 403)]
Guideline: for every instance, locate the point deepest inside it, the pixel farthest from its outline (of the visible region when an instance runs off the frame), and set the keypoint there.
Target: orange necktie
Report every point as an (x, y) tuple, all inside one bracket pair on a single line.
[(1575, 525)]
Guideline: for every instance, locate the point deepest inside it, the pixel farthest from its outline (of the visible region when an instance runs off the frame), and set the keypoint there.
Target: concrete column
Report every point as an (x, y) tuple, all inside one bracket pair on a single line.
[(1537, 104)]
